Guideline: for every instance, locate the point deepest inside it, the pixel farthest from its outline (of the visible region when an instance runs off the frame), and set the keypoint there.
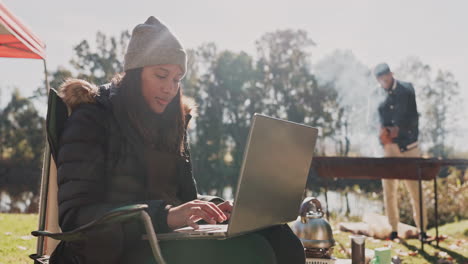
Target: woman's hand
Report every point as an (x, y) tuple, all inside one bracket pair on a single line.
[(189, 213), (226, 207)]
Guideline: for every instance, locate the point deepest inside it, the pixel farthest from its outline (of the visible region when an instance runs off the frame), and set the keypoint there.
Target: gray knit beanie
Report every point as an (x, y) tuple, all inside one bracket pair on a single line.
[(152, 44)]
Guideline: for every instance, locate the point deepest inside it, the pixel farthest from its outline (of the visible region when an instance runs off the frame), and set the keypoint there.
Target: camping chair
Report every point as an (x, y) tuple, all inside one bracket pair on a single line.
[(49, 233)]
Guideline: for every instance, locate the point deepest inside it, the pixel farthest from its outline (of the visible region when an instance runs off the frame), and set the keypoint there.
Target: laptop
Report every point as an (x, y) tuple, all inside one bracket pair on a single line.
[(272, 179)]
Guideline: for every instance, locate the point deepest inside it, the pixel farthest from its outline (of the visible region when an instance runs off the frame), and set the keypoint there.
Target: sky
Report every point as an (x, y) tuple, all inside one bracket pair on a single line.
[(375, 31)]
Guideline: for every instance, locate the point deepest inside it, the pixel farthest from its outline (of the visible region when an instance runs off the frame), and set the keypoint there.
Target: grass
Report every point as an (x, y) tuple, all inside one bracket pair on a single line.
[(16, 243), (454, 249)]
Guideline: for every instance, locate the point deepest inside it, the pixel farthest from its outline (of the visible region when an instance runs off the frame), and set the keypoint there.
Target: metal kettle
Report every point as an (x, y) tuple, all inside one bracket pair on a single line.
[(313, 230)]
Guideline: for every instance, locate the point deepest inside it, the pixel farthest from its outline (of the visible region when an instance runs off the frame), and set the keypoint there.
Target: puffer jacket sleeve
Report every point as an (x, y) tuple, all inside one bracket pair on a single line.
[(210, 198), (81, 172)]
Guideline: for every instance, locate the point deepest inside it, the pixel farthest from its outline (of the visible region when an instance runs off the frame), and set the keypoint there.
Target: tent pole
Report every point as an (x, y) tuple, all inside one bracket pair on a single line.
[(44, 179), (46, 77)]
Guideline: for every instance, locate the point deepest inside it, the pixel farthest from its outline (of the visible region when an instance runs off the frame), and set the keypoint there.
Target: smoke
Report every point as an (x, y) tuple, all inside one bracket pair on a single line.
[(359, 94)]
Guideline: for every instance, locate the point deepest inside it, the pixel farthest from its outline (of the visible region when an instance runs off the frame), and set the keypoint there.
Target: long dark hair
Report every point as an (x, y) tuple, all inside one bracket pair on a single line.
[(166, 131)]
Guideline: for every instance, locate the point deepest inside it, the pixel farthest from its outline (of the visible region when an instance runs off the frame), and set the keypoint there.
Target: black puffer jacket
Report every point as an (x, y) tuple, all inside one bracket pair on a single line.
[(101, 167)]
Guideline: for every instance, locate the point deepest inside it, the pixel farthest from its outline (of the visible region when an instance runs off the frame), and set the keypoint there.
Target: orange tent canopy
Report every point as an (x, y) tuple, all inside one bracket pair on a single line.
[(17, 40)]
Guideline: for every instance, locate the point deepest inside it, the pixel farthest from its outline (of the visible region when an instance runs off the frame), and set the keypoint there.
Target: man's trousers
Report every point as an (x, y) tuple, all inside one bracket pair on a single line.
[(390, 188)]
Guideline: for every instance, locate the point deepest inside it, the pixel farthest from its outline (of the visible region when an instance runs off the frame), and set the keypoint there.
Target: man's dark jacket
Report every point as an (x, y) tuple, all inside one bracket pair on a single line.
[(399, 109)]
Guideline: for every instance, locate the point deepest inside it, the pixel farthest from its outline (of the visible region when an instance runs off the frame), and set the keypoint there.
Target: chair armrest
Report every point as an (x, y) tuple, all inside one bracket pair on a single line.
[(118, 215)]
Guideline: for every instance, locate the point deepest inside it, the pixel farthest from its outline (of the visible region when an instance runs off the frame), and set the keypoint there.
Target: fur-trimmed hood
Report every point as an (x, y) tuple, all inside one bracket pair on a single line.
[(76, 91)]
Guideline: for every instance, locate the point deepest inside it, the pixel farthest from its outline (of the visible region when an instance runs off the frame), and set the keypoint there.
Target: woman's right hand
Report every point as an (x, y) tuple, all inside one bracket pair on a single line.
[(188, 214)]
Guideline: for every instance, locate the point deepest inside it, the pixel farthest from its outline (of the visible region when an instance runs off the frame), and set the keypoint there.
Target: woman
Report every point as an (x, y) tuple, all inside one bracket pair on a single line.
[(126, 143)]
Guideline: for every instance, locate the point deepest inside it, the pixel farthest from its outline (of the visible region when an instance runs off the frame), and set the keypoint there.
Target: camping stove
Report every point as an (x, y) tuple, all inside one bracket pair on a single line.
[(314, 232), (321, 253)]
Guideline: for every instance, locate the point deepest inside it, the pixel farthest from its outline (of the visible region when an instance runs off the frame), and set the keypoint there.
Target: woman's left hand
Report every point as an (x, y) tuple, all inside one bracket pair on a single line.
[(226, 207)]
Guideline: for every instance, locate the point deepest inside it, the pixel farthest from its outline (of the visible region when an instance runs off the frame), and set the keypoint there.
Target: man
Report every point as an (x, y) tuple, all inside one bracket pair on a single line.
[(399, 137)]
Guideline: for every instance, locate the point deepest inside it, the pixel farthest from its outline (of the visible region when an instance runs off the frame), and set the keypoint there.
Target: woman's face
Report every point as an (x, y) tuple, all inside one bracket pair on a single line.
[(160, 84)]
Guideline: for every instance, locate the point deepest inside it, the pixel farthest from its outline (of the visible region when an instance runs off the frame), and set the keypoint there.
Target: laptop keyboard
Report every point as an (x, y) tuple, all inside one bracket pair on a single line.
[(204, 229)]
